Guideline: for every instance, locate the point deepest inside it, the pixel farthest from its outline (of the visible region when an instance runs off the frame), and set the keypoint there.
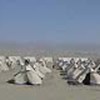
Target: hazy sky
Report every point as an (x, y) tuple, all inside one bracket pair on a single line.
[(50, 21)]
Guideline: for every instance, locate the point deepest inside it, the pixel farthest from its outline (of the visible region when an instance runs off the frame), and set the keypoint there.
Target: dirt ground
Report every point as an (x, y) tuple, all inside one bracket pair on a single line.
[(53, 88)]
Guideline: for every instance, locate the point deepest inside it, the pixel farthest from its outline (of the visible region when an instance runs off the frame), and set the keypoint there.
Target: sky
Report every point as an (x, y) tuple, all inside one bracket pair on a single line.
[(50, 21)]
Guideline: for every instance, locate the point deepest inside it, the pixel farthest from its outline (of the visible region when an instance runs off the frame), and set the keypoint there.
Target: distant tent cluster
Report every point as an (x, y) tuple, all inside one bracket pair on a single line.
[(7, 63), (79, 70)]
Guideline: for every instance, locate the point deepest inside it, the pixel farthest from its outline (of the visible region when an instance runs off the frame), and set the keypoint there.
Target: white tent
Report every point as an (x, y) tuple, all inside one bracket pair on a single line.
[(37, 70), (29, 75), (3, 65)]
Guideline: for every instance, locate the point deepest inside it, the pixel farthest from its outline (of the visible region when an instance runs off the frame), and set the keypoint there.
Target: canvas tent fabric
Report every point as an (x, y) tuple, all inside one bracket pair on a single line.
[(27, 75)]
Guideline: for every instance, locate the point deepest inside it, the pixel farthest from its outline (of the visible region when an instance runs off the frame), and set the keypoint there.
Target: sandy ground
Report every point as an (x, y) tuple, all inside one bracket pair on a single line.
[(53, 88)]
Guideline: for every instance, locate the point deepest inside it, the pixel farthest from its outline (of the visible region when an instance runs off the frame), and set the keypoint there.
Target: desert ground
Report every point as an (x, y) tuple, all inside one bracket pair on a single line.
[(53, 87)]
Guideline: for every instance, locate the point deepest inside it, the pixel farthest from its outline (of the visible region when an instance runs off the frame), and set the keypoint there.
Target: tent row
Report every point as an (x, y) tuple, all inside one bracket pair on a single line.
[(79, 70), (11, 62), (32, 71)]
